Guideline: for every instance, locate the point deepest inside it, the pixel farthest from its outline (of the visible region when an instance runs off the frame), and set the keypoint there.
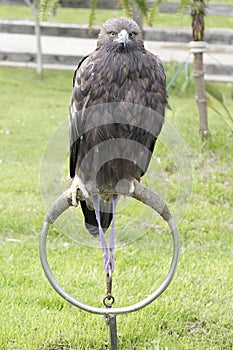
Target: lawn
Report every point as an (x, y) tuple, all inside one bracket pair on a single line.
[(82, 16), (195, 312)]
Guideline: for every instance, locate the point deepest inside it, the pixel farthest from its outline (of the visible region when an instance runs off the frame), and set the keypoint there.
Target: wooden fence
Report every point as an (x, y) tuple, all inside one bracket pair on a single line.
[(72, 30)]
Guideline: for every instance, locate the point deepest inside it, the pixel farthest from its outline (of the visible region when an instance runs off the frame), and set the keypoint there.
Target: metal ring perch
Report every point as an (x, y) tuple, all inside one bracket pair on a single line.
[(142, 194)]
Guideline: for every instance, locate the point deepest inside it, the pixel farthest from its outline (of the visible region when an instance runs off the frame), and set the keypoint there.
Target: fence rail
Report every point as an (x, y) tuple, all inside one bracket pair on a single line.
[(72, 30)]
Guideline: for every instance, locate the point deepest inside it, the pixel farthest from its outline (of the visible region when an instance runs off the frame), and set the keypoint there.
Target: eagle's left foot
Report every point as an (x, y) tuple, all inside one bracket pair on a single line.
[(76, 186)]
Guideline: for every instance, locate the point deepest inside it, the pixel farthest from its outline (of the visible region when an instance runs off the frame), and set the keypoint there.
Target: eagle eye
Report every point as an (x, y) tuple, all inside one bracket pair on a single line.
[(112, 34), (132, 34)]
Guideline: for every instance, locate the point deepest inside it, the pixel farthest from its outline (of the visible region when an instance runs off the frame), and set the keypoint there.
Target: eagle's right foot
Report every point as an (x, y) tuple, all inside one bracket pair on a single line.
[(76, 185)]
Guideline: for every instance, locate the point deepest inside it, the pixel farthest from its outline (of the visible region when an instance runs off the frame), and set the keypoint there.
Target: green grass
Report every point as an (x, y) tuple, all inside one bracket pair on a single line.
[(82, 16), (196, 310)]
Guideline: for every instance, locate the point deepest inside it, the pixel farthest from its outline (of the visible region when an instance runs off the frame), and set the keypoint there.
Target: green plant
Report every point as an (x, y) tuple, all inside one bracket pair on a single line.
[(179, 79), (141, 7), (47, 7), (214, 92)]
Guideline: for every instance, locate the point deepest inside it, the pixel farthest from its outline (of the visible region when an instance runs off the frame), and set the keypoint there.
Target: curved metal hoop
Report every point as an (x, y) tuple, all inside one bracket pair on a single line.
[(146, 196)]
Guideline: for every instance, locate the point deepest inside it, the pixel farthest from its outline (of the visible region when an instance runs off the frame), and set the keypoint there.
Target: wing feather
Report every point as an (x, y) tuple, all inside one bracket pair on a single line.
[(136, 78)]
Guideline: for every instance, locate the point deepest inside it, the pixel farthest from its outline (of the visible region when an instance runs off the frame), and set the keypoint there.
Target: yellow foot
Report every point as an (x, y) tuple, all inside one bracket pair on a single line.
[(72, 191)]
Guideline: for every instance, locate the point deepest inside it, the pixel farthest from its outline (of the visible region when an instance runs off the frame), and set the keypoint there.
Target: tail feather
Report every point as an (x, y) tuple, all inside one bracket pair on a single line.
[(90, 218)]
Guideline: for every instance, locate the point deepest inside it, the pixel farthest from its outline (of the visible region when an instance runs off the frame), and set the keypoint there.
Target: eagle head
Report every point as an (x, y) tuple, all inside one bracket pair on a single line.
[(120, 34)]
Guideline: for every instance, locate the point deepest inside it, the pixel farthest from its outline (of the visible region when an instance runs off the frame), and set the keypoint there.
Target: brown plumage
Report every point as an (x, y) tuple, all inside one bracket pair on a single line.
[(116, 113)]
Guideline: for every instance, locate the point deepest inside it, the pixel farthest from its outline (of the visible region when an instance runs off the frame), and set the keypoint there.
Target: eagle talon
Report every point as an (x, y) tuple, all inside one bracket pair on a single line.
[(76, 188)]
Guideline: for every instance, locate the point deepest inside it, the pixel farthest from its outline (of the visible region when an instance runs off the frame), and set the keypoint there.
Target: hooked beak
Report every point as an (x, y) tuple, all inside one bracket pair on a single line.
[(123, 37)]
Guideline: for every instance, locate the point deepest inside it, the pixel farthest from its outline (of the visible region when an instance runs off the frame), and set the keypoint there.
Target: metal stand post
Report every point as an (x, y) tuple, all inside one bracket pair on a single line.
[(113, 331), (110, 320)]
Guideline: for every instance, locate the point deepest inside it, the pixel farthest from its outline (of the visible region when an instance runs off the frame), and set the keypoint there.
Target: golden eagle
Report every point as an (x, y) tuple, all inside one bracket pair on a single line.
[(116, 114)]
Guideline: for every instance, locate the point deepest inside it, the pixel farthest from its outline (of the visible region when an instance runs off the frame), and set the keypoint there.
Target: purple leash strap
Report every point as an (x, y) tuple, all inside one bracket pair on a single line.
[(108, 253)]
